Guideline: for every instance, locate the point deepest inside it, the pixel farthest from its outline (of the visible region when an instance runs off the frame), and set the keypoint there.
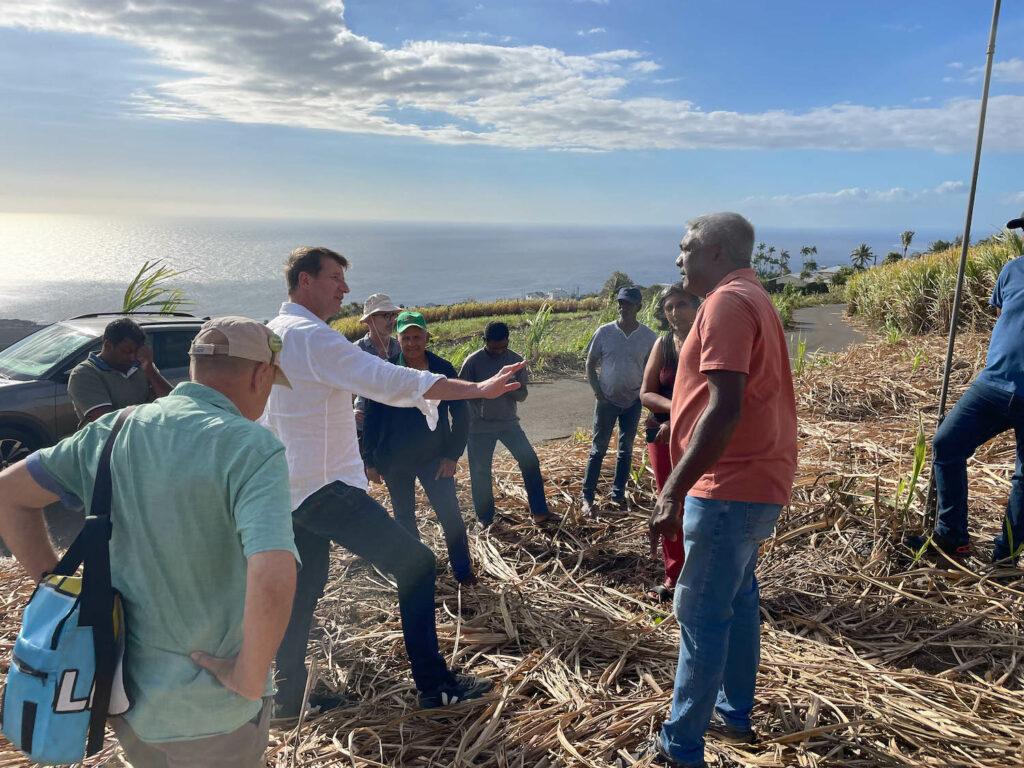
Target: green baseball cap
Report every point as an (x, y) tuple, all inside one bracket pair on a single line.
[(408, 319)]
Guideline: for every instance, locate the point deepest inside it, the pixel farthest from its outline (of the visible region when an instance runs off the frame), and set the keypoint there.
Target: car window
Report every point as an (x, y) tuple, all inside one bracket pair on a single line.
[(35, 355), (170, 347)]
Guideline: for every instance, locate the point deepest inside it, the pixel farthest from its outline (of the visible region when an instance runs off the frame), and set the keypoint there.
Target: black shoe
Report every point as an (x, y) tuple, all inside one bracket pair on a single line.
[(653, 750), (457, 688), (619, 503), (469, 581), (661, 593), (319, 703), (936, 544), (730, 734)]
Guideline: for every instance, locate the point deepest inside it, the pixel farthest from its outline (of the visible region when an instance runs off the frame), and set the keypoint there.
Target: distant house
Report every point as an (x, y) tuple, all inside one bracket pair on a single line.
[(817, 281), (556, 294)]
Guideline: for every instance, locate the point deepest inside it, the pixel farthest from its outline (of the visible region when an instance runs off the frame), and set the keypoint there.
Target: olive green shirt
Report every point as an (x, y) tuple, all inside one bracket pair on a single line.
[(94, 384), (197, 489)]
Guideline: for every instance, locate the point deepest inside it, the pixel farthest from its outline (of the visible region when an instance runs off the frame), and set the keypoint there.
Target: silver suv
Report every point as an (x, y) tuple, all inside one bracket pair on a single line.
[(35, 410)]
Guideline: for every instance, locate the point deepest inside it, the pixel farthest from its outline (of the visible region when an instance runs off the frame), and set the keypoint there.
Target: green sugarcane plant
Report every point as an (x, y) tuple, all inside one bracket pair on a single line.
[(148, 289)]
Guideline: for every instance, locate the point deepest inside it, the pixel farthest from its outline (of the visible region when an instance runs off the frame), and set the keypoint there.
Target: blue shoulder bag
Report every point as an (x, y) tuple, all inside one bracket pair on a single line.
[(65, 672)]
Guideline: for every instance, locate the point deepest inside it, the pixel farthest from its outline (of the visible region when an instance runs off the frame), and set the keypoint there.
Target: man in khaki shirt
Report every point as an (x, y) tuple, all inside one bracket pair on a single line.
[(121, 374)]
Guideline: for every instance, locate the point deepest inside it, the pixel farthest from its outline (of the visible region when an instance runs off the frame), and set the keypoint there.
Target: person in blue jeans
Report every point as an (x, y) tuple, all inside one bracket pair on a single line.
[(491, 421), (615, 370), (734, 449), (992, 404), (399, 448)]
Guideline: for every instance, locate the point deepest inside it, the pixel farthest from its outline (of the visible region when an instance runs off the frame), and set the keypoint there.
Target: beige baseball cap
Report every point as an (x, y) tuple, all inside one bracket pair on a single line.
[(241, 337)]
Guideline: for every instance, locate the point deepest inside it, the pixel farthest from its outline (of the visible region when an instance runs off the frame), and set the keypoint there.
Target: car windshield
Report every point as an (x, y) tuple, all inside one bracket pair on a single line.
[(34, 355)]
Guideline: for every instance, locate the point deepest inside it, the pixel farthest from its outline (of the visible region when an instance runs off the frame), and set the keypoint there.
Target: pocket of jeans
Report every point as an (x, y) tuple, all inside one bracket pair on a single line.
[(761, 520)]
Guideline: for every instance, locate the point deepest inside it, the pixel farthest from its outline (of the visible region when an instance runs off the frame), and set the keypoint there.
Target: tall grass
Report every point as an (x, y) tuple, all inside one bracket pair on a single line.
[(538, 329), (353, 329), (916, 296), (784, 303)]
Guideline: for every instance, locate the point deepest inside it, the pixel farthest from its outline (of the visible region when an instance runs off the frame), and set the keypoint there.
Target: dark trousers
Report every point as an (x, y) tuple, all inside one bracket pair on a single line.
[(481, 457), (349, 517), (441, 494), (982, 413), (606, 414)]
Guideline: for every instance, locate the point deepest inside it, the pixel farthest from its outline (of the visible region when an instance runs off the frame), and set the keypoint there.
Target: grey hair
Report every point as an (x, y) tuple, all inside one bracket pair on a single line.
[(730, 232)]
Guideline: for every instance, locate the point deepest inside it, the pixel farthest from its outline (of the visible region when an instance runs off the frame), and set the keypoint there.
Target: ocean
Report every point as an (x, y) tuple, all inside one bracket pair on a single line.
[(54, 266)]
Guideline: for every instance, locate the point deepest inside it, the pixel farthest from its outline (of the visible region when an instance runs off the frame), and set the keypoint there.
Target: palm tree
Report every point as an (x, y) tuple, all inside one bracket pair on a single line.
[(784, 261), (809, 250), (906, 238), (861, 255)]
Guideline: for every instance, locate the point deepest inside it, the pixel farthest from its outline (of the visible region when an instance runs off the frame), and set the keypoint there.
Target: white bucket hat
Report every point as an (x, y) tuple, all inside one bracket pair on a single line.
[(378, 302)]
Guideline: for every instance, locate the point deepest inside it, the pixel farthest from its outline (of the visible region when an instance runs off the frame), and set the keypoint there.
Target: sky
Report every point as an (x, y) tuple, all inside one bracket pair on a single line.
[(635, 112)]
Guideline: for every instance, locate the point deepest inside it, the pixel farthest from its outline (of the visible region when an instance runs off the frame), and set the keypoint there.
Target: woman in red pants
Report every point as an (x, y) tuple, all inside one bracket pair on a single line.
[(676, 310)]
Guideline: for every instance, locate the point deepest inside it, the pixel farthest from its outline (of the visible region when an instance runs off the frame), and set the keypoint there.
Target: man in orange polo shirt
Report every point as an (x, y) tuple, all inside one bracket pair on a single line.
[(734, 452)]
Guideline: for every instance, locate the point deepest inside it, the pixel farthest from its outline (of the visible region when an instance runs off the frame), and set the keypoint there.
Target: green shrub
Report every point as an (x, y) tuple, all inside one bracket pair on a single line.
[(916, 295)]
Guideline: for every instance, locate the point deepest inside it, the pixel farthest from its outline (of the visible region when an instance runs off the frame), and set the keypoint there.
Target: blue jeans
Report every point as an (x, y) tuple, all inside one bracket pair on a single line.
[(982, 413), (481, 456), (442, 497), (348, 516), (716, 604), (606, 414)]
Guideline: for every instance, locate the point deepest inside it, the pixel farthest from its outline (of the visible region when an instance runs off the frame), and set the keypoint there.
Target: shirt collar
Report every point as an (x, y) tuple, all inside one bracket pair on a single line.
[(103, 365), (207, 395), (746, 273), (291, 308)]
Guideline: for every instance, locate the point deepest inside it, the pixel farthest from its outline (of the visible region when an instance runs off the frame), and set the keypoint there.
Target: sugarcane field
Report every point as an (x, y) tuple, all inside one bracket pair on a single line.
[(868, 658)]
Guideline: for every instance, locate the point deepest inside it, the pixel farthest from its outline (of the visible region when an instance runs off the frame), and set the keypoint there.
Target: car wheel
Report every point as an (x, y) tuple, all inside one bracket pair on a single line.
[(14, 446)]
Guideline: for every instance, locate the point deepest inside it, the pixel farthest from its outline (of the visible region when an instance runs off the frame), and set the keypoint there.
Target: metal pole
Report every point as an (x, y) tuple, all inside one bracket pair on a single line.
[(929, 517)]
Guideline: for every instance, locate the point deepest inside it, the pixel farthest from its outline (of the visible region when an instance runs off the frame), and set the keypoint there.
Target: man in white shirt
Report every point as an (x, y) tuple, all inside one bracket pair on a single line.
[(328, 482)]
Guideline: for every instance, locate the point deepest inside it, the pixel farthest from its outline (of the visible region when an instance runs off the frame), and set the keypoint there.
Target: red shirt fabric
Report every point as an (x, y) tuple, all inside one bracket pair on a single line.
[(737, 329)]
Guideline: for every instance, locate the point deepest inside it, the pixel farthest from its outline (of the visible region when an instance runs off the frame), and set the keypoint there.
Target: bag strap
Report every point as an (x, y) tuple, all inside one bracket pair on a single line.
[(99, 506), (91, 548)]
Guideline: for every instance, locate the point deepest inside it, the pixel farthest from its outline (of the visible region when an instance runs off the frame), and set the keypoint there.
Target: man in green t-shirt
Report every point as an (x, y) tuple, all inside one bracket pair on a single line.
[(202, 549), (122, 373)]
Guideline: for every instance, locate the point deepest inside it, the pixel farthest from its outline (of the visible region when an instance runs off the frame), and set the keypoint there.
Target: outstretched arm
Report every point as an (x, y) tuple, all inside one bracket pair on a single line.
[(501, 383)]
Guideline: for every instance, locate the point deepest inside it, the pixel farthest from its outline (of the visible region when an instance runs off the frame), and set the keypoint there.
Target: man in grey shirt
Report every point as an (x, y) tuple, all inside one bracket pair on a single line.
[(615, 369), (494, 420), (122, 373)]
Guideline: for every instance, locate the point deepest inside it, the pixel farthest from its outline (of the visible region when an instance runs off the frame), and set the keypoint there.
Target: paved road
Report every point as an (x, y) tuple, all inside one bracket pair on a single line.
[(825, 329)]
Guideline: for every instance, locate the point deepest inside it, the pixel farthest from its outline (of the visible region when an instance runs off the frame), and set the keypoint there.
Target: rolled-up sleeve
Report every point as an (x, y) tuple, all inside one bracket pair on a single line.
[(341, 364)]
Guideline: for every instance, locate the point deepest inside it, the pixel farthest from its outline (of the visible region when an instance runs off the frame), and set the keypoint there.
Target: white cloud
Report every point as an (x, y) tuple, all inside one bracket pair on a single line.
[(591, 31), (300, 65), (1009, 71), (1017, 198), (861, 195), (645, 67)]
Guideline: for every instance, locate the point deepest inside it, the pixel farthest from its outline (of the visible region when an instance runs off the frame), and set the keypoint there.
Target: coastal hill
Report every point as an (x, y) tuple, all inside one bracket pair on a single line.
[(869, 656)]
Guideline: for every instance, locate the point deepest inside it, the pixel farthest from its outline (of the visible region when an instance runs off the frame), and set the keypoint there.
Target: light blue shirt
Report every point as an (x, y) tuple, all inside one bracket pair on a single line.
[(197, 489), (1004, 367)]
